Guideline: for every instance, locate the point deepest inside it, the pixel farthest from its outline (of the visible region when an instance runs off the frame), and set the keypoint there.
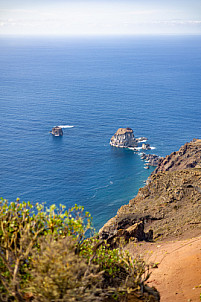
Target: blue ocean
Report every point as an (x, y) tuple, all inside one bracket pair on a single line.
[(96, 85)]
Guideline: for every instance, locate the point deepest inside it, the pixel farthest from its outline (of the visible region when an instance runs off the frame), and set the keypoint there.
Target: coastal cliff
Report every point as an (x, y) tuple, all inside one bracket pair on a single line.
[(123, 138), (170, 202), (188, 156)]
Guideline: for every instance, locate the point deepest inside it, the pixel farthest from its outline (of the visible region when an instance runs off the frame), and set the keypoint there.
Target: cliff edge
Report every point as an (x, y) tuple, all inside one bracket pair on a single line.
[(170, 203), (188, 156)]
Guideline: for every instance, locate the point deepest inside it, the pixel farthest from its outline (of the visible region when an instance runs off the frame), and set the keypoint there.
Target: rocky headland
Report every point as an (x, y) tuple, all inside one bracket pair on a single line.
[(188, 157), (168, 205)]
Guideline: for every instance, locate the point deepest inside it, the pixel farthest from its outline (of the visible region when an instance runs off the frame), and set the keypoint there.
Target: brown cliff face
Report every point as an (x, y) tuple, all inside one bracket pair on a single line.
[(188, 156), (170, 203)]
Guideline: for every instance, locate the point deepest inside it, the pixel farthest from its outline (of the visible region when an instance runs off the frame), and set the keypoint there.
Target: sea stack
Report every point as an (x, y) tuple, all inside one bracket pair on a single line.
[(123, 138), (57, 131)]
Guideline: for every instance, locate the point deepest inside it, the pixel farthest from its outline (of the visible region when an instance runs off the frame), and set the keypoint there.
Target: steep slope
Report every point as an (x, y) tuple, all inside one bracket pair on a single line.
[(170, 203), (188, 156)]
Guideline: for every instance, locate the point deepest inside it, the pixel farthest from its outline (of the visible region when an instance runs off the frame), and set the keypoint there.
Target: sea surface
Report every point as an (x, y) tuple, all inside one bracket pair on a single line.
[(96, 85)]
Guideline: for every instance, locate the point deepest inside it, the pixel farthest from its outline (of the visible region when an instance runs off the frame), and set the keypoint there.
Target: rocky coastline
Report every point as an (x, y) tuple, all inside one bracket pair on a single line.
[(168, 205), (150, 159), (124, 138)]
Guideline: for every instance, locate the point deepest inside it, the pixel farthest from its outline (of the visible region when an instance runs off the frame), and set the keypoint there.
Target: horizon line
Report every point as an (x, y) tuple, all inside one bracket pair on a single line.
[(97, 35)]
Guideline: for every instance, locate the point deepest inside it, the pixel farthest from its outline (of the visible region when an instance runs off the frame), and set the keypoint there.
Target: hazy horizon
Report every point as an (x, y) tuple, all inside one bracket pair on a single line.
[(99, 18)]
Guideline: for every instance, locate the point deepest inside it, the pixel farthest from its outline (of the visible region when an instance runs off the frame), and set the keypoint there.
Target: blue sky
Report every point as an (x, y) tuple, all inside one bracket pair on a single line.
[(96, 17)]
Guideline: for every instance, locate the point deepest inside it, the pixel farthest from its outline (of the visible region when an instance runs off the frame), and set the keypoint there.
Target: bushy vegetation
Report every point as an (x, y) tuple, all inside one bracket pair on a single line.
[(45, 256)]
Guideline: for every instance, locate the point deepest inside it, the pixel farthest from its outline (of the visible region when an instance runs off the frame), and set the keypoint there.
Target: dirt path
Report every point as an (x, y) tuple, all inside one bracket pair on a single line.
[(178, 276)]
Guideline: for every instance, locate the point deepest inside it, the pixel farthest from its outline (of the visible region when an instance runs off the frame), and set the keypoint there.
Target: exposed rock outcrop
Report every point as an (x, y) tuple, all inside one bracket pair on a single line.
[(152, 159), (114, 234), (123, 138), (141, 139), (146, 146), (170, 203), (188, 156)]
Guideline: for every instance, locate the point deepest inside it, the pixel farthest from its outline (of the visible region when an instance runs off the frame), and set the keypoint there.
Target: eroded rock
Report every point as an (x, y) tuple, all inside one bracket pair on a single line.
[(123, 138)]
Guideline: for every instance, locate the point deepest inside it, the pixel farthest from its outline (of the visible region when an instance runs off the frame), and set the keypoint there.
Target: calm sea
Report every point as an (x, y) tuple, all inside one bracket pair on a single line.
[(151, 84)]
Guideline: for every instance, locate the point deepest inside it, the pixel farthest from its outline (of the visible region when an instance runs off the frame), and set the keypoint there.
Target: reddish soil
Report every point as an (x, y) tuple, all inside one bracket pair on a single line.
[(178, 275)]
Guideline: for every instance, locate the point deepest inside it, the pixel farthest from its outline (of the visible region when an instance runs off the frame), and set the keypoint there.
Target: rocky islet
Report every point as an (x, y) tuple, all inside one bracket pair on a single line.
[(124, 138)]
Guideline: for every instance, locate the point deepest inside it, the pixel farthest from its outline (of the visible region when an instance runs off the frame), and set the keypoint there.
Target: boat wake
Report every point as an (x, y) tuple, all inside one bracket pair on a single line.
[(101, 188), (66, 126)]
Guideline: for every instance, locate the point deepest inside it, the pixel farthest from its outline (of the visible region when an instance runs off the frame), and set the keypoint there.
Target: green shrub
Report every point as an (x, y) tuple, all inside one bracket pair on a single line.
[(21, 227), (60, 274), (45, 255)]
